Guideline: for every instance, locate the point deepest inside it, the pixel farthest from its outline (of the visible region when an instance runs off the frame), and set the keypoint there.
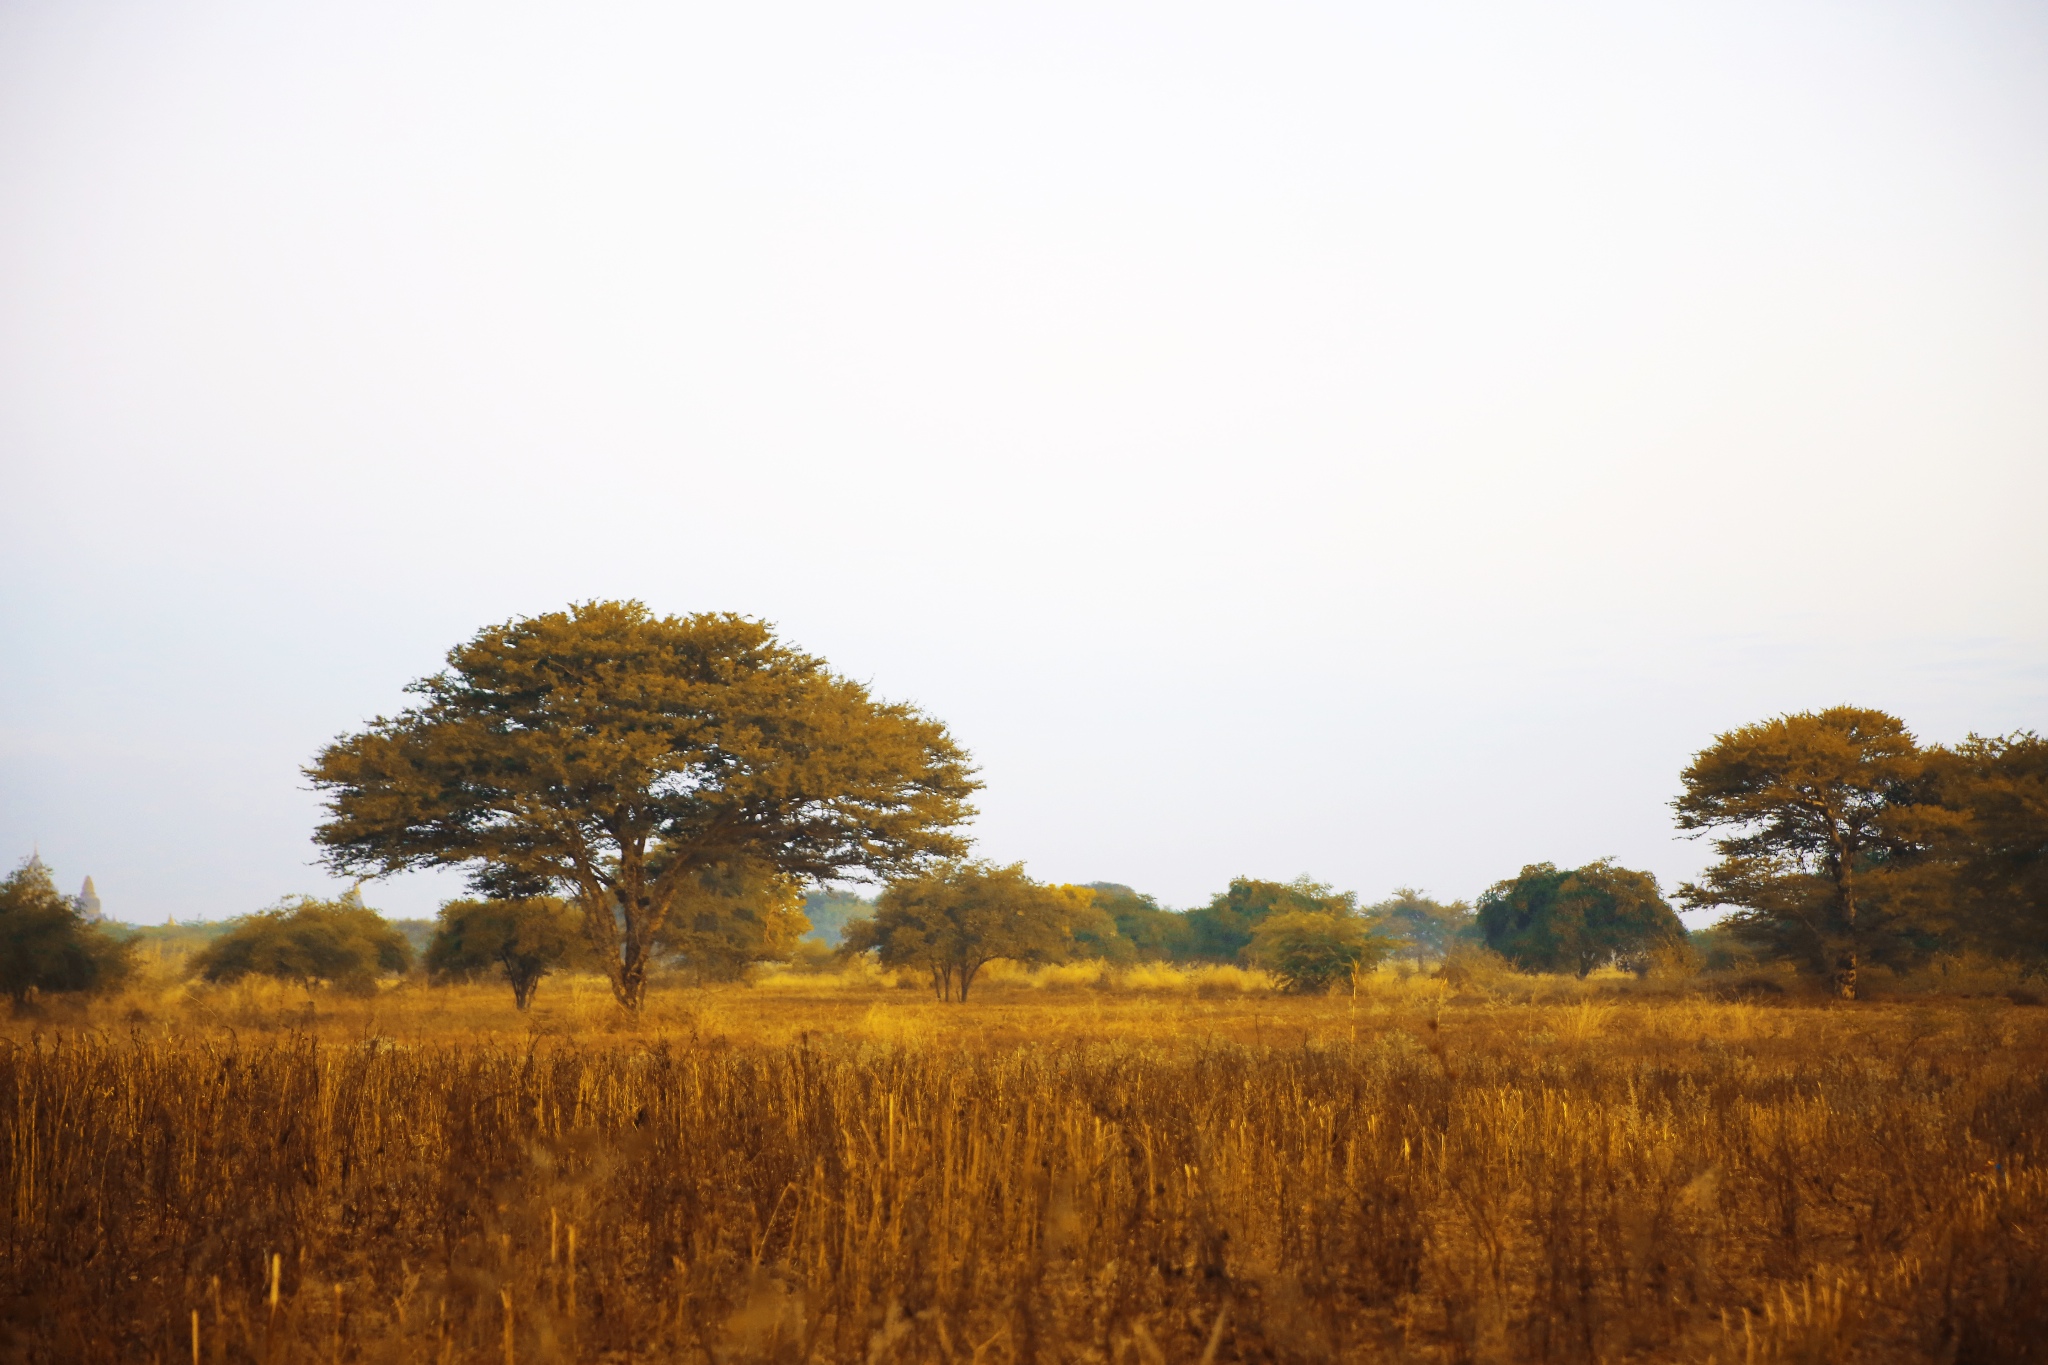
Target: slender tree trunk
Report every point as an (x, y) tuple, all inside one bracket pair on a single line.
[(601, 930), (1845, 888), (623, 951), (1845, 973), (1845, 956), (637, 938)]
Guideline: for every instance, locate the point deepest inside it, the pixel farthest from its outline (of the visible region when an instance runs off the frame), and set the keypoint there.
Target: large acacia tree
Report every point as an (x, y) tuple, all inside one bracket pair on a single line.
[(613, 756), (1823, 817)]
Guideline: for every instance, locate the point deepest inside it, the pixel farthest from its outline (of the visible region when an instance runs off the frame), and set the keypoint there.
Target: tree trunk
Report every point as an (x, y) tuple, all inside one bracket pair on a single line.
[(601, 930), (636, 947), (1845, 889), (627, 946), (623, 951), (631, 983), (967, 978)]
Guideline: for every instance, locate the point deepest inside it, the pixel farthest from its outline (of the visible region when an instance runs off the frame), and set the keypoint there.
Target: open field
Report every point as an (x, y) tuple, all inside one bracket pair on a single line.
[(837, 1169)]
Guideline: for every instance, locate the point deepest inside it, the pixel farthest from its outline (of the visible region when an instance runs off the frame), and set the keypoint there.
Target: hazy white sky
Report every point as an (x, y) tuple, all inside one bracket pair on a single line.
[(1377, 441)]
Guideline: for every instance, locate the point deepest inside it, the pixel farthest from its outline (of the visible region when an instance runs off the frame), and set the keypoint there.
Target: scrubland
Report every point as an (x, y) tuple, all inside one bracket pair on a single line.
[(1080, 1165)]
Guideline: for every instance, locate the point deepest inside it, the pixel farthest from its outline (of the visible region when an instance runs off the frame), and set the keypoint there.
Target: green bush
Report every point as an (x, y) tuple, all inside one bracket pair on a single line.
[(1312, 950), (46, 946), (1222, 930), (1153, 934), (729, 916), (524, 939), (1552, 919), (307, 940)]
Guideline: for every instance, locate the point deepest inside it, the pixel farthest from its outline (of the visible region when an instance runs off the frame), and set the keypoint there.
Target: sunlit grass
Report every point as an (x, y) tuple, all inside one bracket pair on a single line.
[(1082, 1164)]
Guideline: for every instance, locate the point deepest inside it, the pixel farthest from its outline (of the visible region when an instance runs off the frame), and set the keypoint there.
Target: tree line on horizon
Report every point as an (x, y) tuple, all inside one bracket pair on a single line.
[(625, 790)]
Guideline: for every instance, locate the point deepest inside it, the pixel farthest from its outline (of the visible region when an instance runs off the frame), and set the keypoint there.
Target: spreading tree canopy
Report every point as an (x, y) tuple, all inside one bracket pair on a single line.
[(1994, 857), (1311, 950), (307, 940), (1429, 926), (522, 938), (1148, 931), (1824, 815), (954, 920), (1221, 930), (1551, 919), (732, 915), (611, 755)]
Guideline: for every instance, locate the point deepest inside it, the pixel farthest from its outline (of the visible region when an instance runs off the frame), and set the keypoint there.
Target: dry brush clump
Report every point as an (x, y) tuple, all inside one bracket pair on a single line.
[(1592, 1182)]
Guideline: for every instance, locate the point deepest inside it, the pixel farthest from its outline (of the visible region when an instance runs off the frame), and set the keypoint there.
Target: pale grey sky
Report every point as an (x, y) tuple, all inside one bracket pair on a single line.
[(1376, 441)]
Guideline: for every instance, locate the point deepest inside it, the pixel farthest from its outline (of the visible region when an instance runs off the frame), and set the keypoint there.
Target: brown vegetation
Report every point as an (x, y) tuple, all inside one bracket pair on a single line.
[(838, 1170)]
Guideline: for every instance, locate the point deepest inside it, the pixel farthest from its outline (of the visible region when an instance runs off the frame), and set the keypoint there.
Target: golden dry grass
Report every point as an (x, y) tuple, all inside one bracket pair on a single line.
[(1069, 1168)]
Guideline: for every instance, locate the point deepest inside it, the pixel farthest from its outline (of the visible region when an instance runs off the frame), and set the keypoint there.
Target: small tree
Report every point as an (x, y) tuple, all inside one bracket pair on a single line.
[(46, 945), (1311, 951), (308, 941), (1429, 926), (1552, 920), (957, 919), (1094, 928), (1221, 930), (1154, 934), (731, 915), (524, 939)]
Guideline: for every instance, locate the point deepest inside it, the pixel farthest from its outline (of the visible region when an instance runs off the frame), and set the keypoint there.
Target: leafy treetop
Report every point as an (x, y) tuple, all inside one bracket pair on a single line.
[(522, 939), (954, 920), (614, 755), (731, 916), (1995, 851), (1428, 926), (306, 940), (1313, 950), (1221, 930), (1823, 816), (1549, 919), (1152, 933), (46, 946)]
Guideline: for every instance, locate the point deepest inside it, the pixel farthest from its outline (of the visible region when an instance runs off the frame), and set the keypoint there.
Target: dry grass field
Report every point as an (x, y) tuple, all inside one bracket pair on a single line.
[(1164, 1168)]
